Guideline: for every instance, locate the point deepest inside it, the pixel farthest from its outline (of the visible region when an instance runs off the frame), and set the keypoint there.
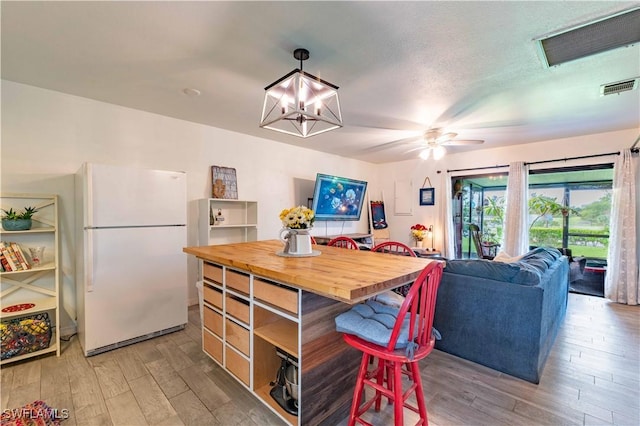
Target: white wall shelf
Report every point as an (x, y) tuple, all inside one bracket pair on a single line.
[(40, 284), (240, 221)]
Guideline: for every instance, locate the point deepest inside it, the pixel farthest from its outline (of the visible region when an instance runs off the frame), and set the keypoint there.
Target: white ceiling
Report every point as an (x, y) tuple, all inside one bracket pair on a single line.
[(402, 67)]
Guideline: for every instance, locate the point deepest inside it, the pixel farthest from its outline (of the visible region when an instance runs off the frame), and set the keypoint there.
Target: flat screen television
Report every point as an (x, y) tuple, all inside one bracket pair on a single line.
[(338, 198)]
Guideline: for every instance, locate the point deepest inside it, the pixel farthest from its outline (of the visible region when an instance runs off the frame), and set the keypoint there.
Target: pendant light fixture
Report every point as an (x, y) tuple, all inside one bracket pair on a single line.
[(301, 104)]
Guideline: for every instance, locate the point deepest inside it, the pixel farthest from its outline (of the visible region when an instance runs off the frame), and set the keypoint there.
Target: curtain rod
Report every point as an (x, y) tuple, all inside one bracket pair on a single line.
[(497, 166), (574, 158), (634, 150)]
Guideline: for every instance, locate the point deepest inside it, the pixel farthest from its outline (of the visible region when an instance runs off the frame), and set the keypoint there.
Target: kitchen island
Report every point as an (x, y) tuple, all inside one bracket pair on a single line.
[(257, 303)]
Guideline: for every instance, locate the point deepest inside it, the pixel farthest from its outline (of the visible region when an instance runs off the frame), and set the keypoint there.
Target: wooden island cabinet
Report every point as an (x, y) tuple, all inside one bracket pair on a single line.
[(256, 302)]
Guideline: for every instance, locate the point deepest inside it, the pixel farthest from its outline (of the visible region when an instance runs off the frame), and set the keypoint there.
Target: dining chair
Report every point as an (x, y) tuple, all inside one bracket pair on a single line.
[(394, 247), (344, 242)]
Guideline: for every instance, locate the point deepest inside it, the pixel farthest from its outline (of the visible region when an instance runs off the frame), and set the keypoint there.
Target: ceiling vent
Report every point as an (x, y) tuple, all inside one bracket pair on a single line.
[(611, 32), (619, 86)]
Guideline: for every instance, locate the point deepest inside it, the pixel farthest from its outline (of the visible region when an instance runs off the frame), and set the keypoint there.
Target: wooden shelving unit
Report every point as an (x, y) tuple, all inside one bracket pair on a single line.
[(240, 221), (39, 285)]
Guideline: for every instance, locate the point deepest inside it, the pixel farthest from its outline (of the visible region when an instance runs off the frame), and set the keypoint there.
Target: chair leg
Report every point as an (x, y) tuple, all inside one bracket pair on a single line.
[(380, 378), (417, 379), (398, 403), (357, 393)]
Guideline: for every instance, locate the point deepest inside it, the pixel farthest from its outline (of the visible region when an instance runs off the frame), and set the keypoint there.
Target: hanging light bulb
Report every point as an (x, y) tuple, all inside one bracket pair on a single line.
[(439, 152), (424, 154)]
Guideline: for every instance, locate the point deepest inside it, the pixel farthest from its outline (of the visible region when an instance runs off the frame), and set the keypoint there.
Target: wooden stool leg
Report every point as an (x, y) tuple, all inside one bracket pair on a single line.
[(398, 403), (357, 393), (417, 379)]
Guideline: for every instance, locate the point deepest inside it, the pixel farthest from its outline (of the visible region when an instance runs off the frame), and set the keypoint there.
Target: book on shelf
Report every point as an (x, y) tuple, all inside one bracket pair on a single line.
[(20, 255), (5, 264), (10, 265), (12, 257)]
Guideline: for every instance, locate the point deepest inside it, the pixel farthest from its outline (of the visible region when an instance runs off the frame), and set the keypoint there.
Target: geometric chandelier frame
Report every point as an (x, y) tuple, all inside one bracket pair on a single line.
[(301, 104)]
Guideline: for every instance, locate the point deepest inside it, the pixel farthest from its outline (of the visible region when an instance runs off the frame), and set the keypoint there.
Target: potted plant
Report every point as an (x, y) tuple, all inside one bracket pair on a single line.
[(14, 221)]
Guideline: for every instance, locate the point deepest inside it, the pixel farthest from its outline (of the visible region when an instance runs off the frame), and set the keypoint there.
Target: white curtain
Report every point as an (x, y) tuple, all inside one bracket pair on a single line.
[(516, 221), (446, 212), (621, 281)]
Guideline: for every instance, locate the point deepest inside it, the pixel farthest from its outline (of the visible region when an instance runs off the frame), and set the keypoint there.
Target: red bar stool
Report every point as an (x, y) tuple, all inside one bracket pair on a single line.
[(395, 342), (399, 249)]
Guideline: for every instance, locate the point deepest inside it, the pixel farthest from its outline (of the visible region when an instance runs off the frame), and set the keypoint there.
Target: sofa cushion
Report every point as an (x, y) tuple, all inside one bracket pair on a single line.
[(482, 268), (538, 261), (528, 270)]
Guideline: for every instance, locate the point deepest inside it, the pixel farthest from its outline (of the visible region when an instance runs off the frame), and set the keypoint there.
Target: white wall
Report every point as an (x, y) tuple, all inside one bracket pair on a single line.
[(47, 135)]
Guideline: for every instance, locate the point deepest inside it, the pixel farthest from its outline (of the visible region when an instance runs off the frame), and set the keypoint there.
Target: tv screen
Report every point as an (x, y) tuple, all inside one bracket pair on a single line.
[(338, 198)]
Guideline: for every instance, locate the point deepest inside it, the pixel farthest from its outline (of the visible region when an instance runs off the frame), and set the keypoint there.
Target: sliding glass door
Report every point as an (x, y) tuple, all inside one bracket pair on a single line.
[(568, 208)]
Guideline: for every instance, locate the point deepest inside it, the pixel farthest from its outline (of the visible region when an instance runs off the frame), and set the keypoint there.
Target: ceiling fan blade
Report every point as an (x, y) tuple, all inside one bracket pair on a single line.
[(391, 144), (463, 142), (418, 148), (446, 137), (369, 121)]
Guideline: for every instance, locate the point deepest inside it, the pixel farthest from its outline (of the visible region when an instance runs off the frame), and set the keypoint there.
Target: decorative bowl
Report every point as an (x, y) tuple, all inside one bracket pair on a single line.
[(16, 224)]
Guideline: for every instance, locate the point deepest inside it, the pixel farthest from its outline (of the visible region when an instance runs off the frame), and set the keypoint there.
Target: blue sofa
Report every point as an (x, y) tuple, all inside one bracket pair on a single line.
[(503, 315)]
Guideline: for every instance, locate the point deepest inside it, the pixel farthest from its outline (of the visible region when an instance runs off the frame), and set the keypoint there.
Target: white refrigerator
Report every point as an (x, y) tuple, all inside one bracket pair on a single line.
[(131, 273)]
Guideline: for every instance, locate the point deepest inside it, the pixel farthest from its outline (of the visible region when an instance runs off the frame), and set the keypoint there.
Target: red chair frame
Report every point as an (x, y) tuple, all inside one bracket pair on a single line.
[(344, 242), (394, 247), (420, 306)]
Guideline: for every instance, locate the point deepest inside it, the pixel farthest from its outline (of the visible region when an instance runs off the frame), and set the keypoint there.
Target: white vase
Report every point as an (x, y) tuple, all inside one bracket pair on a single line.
[(296, 241), (419, 244)]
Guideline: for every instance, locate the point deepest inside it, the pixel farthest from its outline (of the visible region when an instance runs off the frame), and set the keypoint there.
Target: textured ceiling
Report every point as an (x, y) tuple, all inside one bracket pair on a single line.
[(468, 67)]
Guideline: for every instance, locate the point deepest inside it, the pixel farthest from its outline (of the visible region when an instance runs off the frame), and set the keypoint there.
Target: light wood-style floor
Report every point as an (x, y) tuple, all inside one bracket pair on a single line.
[(592, 377)]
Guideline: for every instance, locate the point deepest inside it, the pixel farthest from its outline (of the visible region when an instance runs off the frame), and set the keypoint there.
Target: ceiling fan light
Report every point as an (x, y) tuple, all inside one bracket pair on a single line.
[(439, 152), (301, 104), (424, 154)]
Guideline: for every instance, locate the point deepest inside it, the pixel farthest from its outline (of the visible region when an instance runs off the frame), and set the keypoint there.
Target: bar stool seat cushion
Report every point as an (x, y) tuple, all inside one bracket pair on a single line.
[(390, 298), (373, 322)]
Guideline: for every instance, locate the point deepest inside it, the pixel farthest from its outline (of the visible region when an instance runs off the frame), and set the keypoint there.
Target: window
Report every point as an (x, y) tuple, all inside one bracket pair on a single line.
[(568, 208), (571, 208)]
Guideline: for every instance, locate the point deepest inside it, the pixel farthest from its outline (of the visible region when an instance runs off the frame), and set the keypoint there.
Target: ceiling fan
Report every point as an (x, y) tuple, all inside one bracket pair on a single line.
[(433, 140)]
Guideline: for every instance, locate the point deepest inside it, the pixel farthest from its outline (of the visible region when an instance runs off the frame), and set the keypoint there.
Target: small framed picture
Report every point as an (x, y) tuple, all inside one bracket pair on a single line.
[(427, 196)]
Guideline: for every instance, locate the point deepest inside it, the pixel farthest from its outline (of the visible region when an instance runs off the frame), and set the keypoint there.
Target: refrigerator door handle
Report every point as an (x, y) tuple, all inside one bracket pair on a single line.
[(88, 196), (88, 268)]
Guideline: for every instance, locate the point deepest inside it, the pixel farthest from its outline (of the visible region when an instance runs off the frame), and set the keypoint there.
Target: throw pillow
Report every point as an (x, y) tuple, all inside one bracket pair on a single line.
[(504, 257)]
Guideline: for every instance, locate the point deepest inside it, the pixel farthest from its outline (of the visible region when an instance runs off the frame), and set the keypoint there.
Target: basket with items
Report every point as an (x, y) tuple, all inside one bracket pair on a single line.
[(24, 335)]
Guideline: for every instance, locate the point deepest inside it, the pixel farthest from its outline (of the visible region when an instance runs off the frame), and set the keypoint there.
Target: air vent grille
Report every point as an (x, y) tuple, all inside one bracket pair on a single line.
[(608, 33), (619, 86)]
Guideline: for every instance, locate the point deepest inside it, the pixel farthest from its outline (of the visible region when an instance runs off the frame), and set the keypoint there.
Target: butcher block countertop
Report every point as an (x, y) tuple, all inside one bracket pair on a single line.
[(346, 275)]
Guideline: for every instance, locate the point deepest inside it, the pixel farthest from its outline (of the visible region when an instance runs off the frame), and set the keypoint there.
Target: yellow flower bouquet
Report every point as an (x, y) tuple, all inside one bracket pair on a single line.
[(299, 217), (418, 232)]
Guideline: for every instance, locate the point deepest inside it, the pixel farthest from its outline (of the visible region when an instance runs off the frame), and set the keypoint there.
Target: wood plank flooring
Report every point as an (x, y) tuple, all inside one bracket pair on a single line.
[(592, 377)]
